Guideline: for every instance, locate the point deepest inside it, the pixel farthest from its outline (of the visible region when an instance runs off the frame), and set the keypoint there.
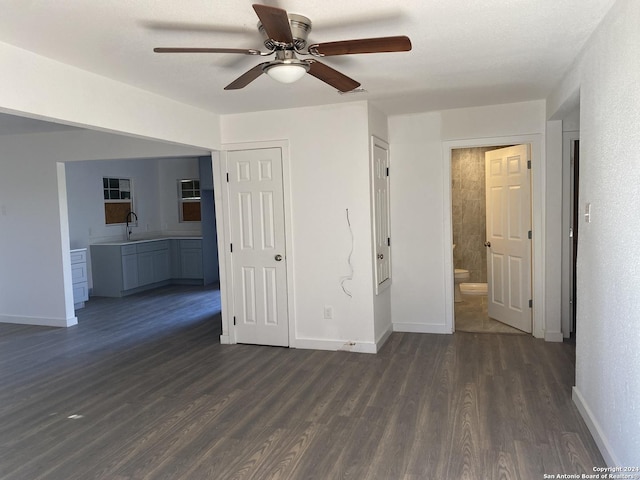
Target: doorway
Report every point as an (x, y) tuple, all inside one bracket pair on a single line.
[(491, 218), (575, 216)]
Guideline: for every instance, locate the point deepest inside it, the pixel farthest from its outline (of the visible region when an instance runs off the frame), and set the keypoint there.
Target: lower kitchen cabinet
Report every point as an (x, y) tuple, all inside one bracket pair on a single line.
[(190, 258), (79, 277), (123, 269)]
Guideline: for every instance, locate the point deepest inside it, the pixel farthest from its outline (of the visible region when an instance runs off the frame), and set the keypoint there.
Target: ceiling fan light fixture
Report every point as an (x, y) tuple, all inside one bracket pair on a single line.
[(287, 72)]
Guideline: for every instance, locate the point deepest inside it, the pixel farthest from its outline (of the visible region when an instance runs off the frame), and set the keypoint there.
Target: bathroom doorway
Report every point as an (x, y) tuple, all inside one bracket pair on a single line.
[(469, 228), (575, 190)]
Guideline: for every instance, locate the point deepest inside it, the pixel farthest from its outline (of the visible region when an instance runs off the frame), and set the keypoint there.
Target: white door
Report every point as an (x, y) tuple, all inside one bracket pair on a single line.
[(508, 196), (380, 173), (258, 246)]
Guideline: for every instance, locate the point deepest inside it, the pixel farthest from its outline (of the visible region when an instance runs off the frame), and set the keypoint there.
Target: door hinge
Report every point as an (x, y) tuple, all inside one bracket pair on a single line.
[(231, 247), (234, 320), (387, 171), (531, 303), (529, 164), (227, 177), (388, 242), (530, 234)]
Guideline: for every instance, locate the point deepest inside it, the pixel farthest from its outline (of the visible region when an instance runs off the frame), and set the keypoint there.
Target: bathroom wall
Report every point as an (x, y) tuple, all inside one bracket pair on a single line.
[(469, 218)]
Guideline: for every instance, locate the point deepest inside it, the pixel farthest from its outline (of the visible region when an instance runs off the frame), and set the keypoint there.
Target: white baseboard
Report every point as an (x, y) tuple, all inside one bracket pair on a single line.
[(553, 337), (335, 345), (421, 328), (39, 321), (383, 338), (595, 429), (225, 340)]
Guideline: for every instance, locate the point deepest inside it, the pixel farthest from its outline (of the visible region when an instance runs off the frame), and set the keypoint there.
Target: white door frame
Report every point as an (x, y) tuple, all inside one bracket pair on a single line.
[(538, 219), (224, 234), (568, 139)]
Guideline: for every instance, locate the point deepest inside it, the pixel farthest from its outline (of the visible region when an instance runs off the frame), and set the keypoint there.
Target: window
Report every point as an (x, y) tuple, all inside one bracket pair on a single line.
[(189, 198), (118, 199)]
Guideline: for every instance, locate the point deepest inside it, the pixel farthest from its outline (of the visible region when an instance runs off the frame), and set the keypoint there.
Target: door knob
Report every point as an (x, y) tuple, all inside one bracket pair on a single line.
[(487, 244), (278, 258)]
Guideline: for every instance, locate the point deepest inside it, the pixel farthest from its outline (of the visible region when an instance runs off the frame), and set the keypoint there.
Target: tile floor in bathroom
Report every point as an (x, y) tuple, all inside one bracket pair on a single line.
[(471, 316)]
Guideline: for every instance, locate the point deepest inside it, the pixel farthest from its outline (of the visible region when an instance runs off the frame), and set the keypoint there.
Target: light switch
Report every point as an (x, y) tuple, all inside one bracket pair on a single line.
[(587, 212)]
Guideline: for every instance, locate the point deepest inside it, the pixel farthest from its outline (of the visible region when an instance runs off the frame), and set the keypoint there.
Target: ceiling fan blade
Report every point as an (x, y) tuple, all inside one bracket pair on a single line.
[(247, 77), (363, 45), (332, 77), (275, 22), (206, 50)]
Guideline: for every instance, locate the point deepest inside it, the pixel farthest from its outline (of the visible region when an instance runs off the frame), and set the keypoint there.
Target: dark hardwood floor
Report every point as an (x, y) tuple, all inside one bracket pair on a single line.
[(142, 389)]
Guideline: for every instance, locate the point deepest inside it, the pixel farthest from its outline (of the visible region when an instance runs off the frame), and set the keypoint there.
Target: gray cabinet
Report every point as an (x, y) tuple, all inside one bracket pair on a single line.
[(190, 259), (122, 269), (153, 262), (129, 272), (186, 262), (79, 277)]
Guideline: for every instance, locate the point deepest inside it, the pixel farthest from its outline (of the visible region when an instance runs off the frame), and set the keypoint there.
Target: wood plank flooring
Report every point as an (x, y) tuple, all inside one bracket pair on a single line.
[(156, 396)]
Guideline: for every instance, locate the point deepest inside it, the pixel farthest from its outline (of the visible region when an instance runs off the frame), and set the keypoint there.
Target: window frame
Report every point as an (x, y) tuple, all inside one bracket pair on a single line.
[(187, 202), (120, 206)]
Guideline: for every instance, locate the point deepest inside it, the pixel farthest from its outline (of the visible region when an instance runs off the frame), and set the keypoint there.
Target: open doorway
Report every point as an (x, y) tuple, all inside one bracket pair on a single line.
[(491, 282), (573, 233)]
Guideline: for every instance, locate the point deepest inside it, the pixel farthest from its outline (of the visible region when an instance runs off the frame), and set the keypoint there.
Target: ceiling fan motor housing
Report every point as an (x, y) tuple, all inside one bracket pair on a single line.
[(300, 28)]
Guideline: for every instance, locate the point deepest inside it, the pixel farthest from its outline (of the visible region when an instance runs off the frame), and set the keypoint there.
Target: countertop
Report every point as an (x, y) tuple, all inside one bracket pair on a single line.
[(144, 240)]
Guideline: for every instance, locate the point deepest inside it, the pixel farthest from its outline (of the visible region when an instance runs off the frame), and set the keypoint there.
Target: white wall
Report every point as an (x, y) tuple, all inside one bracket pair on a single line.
[(553, 232), (328, 173), (31, 243), (34, 245), (421, 207), (608, 304), (38, 87)]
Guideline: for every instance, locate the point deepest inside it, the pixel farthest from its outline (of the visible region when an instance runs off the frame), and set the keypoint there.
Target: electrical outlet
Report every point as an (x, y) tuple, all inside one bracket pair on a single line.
[(328, 312), (587, 213)]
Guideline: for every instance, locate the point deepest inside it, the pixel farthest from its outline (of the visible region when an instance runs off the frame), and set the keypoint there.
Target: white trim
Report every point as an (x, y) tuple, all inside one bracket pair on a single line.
[(421, 328), (595, 429), (568, 153), (384, 337), (220, 201), (538, 220), (336, 345), (378, 142), (41, 321), (226, 284), (553, 336)]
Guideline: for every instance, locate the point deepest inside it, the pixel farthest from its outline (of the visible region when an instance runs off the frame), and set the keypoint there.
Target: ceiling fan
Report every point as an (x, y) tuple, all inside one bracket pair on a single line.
[(285, 35)]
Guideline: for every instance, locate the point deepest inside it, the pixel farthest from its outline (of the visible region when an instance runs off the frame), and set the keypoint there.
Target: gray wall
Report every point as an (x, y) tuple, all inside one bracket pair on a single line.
[(469, 216)]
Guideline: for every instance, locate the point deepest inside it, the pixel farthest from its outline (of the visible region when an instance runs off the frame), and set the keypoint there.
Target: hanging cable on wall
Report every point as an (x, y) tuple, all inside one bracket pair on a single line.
[(350, 276)]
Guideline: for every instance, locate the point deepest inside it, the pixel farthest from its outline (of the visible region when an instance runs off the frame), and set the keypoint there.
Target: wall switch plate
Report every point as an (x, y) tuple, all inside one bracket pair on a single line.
[(587, 212), (328, 312)]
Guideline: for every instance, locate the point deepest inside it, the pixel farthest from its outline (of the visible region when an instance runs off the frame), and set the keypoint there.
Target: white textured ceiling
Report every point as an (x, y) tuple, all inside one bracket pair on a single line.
[(465, 52)]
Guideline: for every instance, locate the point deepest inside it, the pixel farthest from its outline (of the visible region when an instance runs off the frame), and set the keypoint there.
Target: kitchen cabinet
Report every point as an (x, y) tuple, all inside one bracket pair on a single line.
[(153, 262), (129, 260), (79, 277), (190, 259), (121, 269)]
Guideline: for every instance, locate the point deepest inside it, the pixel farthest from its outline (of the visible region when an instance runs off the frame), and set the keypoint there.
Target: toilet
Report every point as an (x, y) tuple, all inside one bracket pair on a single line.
[(477, 289), (460, 275)]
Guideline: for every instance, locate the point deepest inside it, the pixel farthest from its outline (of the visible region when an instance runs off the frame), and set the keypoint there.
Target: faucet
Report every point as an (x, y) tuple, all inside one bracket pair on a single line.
[(128, 218)]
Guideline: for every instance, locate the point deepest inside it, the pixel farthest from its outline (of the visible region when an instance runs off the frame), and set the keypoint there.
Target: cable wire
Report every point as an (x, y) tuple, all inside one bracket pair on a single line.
[(350, 276)]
